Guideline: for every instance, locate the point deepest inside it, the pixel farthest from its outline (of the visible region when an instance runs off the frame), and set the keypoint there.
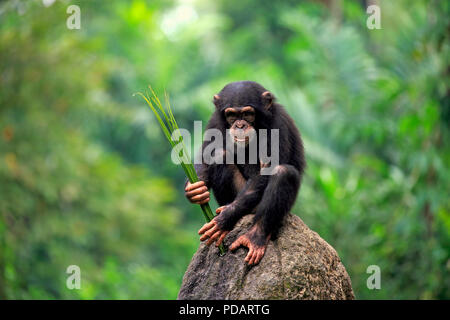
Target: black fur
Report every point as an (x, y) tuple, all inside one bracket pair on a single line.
[(270, 197)]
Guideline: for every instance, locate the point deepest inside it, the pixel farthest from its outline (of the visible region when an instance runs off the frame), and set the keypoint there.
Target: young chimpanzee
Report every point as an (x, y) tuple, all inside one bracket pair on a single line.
[(240, 188)]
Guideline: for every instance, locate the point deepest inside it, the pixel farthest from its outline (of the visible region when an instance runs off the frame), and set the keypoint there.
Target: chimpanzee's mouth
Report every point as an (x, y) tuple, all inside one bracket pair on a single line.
[(245, 139), (242, 137)]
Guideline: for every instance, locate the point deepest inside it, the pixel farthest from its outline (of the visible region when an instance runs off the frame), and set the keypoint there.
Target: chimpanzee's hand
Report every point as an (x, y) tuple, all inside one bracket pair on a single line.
[(197, 192), (212, 230), (256, 243)]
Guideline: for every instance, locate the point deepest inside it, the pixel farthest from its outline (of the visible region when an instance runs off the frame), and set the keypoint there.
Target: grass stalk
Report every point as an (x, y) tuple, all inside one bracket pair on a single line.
[(168, 124)]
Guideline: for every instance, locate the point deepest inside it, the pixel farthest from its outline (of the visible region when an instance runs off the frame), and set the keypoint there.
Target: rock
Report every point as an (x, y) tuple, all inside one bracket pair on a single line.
[(299, 264)]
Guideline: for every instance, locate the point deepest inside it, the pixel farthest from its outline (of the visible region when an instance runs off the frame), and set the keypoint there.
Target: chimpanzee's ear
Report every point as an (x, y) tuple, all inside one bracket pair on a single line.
[(216, 101), (268, 98)]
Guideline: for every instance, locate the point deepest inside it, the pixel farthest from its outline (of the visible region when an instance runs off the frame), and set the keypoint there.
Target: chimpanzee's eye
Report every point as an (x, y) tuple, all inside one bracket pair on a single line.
[(231, 114), (249, 116)]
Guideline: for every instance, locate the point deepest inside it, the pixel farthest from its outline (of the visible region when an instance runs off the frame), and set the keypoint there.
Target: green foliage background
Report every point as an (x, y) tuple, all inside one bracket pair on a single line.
[(86, 176)]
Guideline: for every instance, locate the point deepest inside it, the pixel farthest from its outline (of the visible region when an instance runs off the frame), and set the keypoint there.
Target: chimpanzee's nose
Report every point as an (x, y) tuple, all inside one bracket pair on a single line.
[(241, 124)]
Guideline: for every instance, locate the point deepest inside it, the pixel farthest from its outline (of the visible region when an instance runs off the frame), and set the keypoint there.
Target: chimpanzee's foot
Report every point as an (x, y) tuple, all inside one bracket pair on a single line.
[(255, 243)]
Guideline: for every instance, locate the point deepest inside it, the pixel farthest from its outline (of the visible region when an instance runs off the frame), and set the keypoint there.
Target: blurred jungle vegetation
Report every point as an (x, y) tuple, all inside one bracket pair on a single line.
[(85, 173)]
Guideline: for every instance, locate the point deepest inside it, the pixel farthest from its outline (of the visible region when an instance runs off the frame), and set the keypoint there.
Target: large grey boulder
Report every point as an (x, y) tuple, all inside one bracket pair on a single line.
[(299, 264)]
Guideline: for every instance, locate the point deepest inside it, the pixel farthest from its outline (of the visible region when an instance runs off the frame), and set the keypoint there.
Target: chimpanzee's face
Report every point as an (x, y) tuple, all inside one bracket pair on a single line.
[(240, 103), (241, 122)]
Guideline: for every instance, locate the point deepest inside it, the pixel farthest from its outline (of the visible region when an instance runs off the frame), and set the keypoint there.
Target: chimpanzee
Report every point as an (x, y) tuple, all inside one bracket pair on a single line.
[(242, 109)]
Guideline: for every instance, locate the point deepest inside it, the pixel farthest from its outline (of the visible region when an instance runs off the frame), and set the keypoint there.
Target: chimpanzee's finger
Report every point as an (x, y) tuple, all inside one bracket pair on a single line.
[(211, 231), (262, 252), (203, 201), (196, 191), (206, 226), (255, 257), (259, 255), (213, 237), (192, 186), (208, 233), (220, 209), (249, 255), (219, 241), (237, 243), (200, 197)]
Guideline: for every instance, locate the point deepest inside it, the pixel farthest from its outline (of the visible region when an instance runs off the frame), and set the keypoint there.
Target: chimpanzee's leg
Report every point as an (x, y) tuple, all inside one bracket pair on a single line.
[(277, 200)]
